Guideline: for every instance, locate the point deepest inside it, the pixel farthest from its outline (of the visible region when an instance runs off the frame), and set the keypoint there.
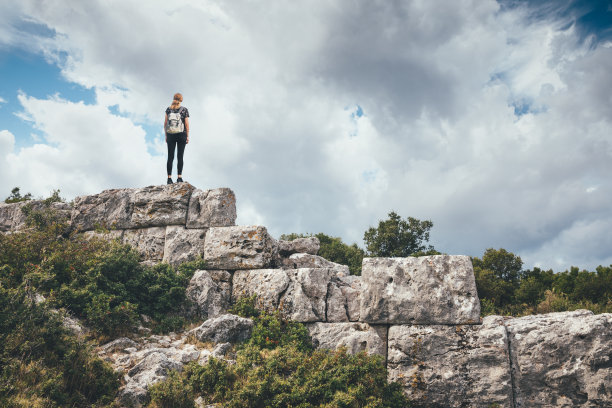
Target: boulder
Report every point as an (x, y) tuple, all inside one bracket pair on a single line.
[(355, 337), (149, 242), (210, 292), (438, 289), (157, 206), (211, 208), (308, 245), (110, 209), (182, 244), (343, 299), (562, 359), (153, 368), (239, 247), (119, 344), (300, 260), (452, 366), (298, 294), (227, 328)]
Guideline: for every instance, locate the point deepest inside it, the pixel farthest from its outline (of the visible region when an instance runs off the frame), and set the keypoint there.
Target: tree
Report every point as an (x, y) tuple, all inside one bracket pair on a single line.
[(505, 265), (397, 237), (16, 196), (498, 276)]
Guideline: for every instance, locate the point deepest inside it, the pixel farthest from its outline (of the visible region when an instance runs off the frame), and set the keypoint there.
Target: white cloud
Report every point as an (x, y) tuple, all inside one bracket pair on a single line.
[(85, 149), (2, 100), (267, 87)]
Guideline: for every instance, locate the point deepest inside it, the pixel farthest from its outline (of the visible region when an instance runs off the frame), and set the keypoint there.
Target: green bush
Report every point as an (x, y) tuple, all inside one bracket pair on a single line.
[(278, 368), (98, 281), (43, 364), (171, 393)]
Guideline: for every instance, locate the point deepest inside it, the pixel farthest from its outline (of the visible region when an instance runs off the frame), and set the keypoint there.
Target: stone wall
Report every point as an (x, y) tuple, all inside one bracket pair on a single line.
[(421, 314)]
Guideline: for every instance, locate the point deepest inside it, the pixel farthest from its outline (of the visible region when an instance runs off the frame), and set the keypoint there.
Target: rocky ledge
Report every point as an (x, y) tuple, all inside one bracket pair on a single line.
[(420, 314)]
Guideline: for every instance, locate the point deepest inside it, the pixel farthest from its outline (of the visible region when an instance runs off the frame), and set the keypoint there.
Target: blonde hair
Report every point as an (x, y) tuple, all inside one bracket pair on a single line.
[(176, 101)]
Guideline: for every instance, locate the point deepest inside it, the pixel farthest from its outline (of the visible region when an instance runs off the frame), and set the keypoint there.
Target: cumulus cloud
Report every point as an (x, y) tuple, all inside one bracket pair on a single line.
[(85, 149), (490, 122)]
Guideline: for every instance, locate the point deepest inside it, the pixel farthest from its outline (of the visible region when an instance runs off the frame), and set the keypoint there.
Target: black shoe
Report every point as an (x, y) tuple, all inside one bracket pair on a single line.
[(179, 180), (169, 181)]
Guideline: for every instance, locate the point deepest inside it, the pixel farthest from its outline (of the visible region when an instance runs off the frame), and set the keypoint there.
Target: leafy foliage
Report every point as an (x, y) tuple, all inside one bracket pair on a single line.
[(278, 368), (16, 196), (43, 365), (99, 281), (333, 249), (504, 288), (397, 237)]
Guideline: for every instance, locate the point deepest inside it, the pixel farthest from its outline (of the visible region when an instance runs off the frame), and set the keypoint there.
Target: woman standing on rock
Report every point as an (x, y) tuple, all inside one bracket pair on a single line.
[(176, 127)]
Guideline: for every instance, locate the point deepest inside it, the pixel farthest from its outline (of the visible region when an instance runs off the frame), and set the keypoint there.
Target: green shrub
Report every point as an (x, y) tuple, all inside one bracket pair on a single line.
[(171, 393), (245, 307), (42, 363), (278, 368)]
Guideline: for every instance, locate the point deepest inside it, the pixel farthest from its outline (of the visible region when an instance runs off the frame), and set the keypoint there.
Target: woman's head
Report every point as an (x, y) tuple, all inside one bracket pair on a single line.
[(176, 101)]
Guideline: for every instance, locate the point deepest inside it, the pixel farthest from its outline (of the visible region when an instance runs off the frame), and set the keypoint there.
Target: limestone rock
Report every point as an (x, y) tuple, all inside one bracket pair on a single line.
[(562, 359), (305, 298), (356, 337), (152, 369), (438, 289), (119, 344), (107, 235), (452, 366), (299, 294), (212, 208), (156, 206), (239, 247), (308, 245), (111, 209), (223, 329), (343, 300), (13, 218), (210, 292), (267, 284), (182, 244), (301, 260), (148, 241)]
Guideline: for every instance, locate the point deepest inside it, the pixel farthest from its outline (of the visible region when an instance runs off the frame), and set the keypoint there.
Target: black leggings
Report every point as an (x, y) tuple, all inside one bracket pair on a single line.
[(180, 140)]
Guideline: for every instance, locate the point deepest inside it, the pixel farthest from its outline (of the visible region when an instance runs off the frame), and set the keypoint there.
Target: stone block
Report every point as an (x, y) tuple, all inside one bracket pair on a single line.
[(438, 289), (156, 206), (110, 209), (239, 247), (452, 366), (107, 235), (302, 260), (343, 299), (356, 337), (149, 242), (267, 284), (212, 208), (182, 244), (299, 294), (562, 359), (308, 245), (210, 292)]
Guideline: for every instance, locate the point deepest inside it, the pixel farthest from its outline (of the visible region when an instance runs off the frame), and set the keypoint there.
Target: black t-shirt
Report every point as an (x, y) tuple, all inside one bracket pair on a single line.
[(184, 112)]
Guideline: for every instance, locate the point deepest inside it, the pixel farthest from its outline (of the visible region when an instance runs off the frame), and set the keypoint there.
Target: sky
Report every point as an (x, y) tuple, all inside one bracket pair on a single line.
[(493, 119)]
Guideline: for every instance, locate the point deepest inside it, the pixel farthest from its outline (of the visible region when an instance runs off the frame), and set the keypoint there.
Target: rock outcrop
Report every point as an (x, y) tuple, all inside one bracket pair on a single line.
[(422, 315)]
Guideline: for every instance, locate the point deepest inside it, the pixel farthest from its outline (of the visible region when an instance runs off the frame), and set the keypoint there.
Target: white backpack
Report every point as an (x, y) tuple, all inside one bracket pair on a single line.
[(175, 124)]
